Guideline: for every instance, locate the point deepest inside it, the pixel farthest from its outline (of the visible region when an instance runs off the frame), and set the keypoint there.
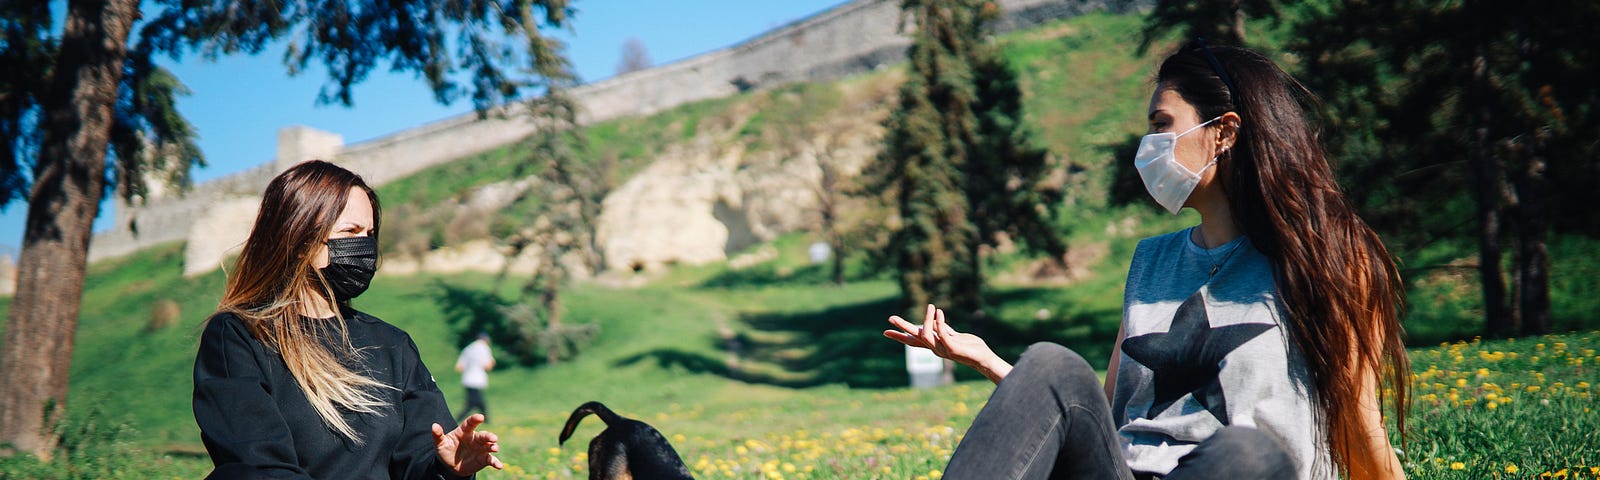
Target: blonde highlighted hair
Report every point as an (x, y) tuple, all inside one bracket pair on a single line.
[(274, 280)]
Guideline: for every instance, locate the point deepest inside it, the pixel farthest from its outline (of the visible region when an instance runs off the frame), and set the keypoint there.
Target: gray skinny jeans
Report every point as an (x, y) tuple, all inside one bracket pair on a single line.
[(1049, 419)]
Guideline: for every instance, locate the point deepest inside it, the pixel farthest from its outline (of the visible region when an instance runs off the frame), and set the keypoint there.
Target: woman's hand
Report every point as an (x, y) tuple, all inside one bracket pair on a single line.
[(936, 335), (465, 450)]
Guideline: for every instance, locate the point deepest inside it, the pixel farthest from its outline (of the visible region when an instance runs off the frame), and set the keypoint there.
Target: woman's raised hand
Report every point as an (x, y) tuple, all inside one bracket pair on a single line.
[(466, 450), (936, 335)]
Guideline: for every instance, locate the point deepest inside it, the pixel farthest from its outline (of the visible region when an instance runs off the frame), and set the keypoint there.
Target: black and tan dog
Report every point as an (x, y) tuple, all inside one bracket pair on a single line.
[(627, 448)]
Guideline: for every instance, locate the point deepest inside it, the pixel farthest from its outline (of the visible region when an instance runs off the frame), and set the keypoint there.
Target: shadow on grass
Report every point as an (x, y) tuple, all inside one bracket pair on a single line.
[(468, 311), (1089, 332), (768, 274), (845, 345)]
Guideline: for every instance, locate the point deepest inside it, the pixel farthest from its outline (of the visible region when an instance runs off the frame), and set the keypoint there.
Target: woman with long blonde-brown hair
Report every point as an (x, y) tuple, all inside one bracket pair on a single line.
[(1253, 345), (291, 382)]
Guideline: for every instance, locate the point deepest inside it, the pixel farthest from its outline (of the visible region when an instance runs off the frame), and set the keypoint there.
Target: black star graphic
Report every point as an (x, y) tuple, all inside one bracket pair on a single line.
[(1187, 358)]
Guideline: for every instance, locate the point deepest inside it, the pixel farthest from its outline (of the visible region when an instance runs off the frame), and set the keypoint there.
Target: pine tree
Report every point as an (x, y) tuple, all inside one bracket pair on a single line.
[(957, 163), (1474, 113)]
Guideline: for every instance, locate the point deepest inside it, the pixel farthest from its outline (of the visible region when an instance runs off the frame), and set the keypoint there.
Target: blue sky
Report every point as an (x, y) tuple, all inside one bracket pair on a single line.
[(239, 102)]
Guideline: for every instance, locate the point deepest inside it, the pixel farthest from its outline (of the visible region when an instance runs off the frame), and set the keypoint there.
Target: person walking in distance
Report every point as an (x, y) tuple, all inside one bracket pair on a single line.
[(474, 365)]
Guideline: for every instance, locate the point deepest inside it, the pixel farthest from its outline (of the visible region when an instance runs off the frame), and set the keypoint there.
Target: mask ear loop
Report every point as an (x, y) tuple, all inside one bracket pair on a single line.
[(1227, 150)]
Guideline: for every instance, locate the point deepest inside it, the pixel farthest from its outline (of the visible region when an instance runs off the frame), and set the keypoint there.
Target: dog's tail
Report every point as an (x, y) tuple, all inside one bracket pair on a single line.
[(596, 408)]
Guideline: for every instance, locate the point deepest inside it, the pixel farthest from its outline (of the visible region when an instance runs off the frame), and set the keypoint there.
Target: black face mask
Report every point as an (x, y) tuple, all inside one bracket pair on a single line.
[(351, 264)]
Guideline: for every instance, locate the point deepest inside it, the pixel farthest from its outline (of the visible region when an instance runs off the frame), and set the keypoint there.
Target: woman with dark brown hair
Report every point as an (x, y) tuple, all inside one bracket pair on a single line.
[(291, 382), (1252, 345)]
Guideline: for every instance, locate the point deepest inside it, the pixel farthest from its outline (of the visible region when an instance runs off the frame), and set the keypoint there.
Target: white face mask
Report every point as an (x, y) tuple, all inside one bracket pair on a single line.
[(1166, 179)]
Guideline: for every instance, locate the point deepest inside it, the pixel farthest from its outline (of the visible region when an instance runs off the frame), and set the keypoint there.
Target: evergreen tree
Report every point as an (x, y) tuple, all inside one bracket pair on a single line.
[(1475, 113), (562, 225), (957, 163), (1221, 21)]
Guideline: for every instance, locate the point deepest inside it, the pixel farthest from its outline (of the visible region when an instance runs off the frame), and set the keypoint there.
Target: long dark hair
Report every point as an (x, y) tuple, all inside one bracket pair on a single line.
[(274, 279), (1340, 289)]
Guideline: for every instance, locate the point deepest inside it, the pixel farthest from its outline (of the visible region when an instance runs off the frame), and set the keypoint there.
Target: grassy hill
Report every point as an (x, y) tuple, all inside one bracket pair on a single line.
[(766, 371)]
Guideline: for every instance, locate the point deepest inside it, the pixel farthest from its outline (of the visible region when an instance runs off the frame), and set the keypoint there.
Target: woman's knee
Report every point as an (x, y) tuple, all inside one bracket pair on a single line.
[(1240, 438), (1245, 452), (1058, 364)]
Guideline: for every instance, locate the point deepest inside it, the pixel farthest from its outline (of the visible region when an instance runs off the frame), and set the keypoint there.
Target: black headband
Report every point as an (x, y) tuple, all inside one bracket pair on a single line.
[(1233, 95)]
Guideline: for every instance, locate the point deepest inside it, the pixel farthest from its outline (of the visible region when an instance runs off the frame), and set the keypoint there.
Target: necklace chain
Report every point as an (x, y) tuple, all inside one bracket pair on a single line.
[(1210, 257), (1218, 266)]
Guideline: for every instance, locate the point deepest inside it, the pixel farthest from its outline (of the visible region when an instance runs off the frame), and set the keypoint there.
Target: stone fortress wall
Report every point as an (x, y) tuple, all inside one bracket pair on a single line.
[(855, 37)]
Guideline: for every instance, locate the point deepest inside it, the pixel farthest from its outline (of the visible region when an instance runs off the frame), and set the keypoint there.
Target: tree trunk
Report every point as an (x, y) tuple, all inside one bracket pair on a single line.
[(1533, 255), (1238, 21), (828, 203), (1486, 188), (838, 258), (553, 275), (1533, 267), (69, 180), (553, 333)]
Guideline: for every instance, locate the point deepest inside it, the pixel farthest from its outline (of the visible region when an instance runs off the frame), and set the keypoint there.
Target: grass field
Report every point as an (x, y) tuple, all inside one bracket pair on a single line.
[(810, 391)]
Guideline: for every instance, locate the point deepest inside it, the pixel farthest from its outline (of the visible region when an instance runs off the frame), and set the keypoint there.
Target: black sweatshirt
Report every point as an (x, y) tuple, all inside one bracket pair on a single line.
[(256, 422)]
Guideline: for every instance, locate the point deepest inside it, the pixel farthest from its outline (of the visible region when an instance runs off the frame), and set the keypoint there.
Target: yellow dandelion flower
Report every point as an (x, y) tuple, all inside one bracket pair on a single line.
[(1458, 466), (1511, 468), (1491, 405), (936, 474)]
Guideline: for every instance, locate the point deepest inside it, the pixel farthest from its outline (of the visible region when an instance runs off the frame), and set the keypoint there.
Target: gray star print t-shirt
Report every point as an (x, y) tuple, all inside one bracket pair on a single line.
[(1203, 351)]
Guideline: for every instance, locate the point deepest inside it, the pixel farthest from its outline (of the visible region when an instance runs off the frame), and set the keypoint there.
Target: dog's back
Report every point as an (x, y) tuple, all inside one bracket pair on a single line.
[(627, 448)]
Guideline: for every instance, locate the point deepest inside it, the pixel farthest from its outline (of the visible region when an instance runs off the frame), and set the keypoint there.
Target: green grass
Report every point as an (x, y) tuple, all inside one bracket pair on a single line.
[(815, 387), (1514, 408)]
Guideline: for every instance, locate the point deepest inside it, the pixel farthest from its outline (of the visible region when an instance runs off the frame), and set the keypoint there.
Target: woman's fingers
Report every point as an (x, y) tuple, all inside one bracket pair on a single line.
[(901, 323), (929, 323), (906, 334), (933, 334)]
